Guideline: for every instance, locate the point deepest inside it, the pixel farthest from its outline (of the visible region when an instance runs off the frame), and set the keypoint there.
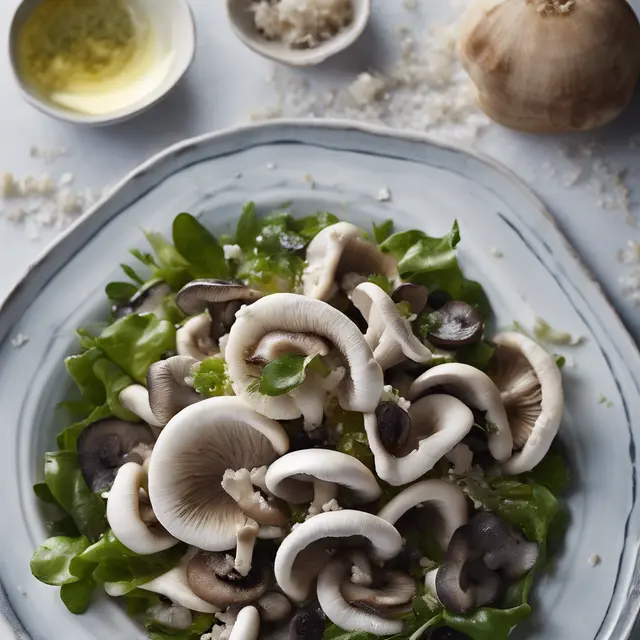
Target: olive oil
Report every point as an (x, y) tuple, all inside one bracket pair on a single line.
[(90, 56)]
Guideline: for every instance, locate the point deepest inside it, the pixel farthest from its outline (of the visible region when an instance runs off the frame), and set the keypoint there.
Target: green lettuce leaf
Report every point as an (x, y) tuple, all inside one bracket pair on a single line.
[(202, 622), (383, 231), (486, 623), (248, 227), (120, 292), (289, 372), (211, 379), (199, 247), (310, 226), (272, 273), (114, 380), (51, 560), (77, 595), (80, 368), (131, 273), (135, 342), (433, 262), (64, 479)]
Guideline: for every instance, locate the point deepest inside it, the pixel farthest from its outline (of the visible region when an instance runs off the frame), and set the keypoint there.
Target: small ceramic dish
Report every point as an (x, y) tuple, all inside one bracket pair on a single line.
[(173, 48), (242, 22)]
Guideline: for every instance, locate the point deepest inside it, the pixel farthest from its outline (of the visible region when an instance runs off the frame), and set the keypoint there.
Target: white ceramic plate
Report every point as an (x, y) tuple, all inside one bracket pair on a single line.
[(431, 185)]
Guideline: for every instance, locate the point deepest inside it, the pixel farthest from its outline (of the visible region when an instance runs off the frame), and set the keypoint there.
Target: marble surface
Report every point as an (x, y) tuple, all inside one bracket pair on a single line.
[(227, 80)]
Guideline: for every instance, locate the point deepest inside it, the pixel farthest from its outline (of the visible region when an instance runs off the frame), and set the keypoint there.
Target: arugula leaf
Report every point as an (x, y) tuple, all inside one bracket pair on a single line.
[(551, 472), (77, 595), (284, 374), (119, 292), (135, 342), (248, 227), (383, 231), (486, 623), (211, 379), (131, 273), (64, 479), (199, 247), (51, 560), (171, 266), (67, 439), (433, 263)]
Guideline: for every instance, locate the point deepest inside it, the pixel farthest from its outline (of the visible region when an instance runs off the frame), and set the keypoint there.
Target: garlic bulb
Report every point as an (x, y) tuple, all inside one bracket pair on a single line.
[(551, 65)]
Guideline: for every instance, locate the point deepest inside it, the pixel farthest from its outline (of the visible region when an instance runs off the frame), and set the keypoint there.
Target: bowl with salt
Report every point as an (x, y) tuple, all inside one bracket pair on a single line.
[(299, 33)]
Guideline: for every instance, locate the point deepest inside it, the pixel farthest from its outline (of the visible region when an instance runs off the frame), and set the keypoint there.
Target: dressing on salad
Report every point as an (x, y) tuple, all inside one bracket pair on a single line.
[(304, 431)]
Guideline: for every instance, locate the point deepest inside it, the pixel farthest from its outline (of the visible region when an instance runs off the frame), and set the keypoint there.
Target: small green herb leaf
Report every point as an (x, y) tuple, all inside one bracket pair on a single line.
[(211, 379), (248, 227), (77, 595), (486, 623), (119, 292), (284, 374), (51, 560), (383, 231)]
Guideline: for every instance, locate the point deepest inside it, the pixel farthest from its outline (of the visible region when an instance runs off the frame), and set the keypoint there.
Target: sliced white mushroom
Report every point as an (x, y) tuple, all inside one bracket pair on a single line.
[(339, 250), (316, 475), (273, 607), (173, 585), (362, 386), (247, 625), (174, 616), (135, 398), (170, 386), (276, 344), (194, 339), (448, 499), (189, 461), (530, 385), (345, 615), (389, 335), (476, 390), (123, 514), (303, 553), (438, 423)]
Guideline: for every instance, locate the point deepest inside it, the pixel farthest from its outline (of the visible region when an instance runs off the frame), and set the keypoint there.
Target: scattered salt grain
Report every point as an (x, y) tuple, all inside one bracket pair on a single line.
[(238, 175), (383, 195), (310, 181), (271, 166), (7, 185), (19, 340), (66, 179), (232, 252), (47, 153), (496, 253), (104, 495), (594, 560)]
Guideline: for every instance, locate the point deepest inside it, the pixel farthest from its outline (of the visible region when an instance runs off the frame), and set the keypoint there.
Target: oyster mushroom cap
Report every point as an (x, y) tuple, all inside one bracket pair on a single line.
[(135, 398), (438, 423), (196, 296), (389, 335), (188, 463), (123, 513), (169, 388), (340, 249), (315, 475), (174, 616), (530, 385), (340, 611), (476, 390), (447, 498), (104, 446), (173, 585), (303, 553), (362, 386), (308, 623), (212, 577), (194, 339), (273, 607)]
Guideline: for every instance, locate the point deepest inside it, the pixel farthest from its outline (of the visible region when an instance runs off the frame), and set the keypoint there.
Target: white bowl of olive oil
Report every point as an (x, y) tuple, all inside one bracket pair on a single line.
[(100, 61)]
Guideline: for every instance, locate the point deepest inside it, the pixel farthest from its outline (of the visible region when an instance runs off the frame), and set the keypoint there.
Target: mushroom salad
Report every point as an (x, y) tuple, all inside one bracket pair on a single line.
[(303, 430)]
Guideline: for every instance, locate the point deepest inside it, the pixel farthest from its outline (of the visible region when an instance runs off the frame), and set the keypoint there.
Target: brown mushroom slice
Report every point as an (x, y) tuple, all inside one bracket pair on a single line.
[(391, 592), (211, 577), (530, 386), (338, 250), (104, 446), (457, 324), (169, 388), (221, 298), (274, 607), (416, 295)]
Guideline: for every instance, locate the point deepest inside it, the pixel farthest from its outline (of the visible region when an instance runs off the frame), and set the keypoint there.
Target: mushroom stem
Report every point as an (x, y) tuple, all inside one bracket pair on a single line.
[(194, 338), (343, 614), (245, 542), (135, 398), (323, 492), (258, 479), (267, 532), (247, 625)]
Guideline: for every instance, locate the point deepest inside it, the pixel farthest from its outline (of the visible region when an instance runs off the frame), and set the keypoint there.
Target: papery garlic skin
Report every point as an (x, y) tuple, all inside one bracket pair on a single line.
[(551, 65)]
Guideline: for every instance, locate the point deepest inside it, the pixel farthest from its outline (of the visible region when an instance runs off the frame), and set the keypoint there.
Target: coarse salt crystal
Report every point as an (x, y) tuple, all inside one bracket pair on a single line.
[(19, 340), (66, 179), (383, 195), (232, 252), (7, 185)]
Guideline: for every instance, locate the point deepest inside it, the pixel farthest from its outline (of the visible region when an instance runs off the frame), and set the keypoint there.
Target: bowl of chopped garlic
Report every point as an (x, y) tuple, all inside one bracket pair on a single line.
[(100, 62), (299, 33)]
